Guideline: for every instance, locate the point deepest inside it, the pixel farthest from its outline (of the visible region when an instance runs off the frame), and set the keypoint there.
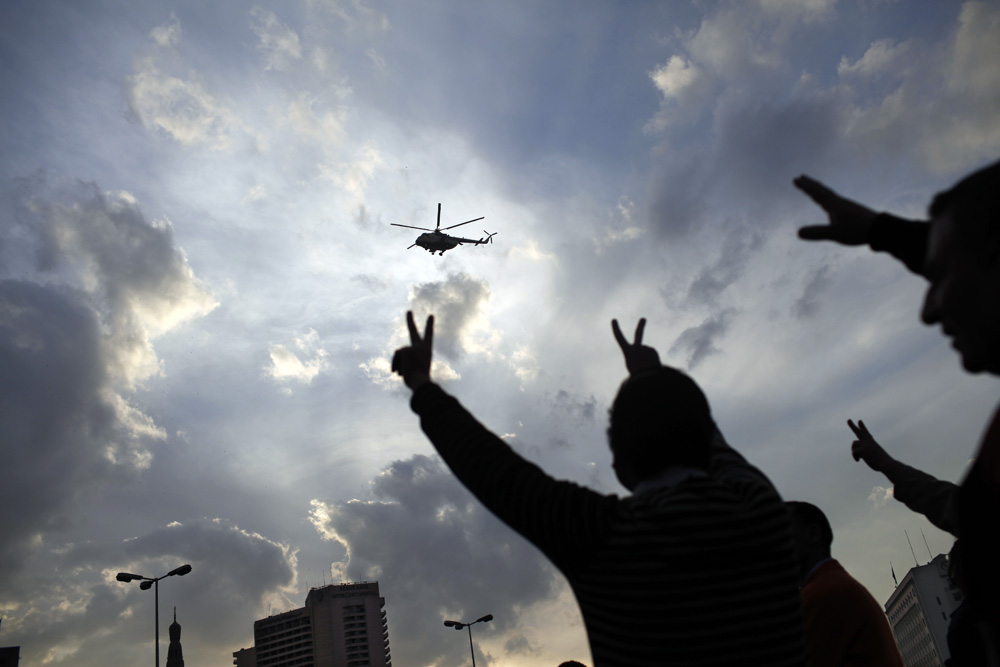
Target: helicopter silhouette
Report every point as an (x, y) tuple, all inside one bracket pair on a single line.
[(435, 240)]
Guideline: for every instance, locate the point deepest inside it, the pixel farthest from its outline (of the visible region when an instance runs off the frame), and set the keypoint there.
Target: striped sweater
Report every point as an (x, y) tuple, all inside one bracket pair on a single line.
[(700, 573)]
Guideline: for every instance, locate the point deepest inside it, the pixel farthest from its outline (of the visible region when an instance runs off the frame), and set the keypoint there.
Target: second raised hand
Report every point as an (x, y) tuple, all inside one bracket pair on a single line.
[(850, 222), (638, 357), (866, 449)]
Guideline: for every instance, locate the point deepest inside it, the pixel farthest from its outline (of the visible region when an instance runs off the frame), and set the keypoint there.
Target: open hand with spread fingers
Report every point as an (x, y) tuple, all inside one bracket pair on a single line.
[(866, 449), (414, 362), (850, 221), (638, 357)]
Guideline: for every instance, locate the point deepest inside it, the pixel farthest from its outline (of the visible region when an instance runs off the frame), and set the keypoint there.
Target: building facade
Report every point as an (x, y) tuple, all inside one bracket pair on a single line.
[(919, 612), (342, 625)]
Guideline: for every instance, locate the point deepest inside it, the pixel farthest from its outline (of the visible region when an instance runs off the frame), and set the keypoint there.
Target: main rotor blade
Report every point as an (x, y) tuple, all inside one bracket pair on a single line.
[(439, 217), (465, 223), (411, 227)]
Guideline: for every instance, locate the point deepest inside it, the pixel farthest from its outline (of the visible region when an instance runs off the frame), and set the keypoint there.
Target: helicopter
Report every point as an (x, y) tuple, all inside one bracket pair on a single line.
[(435, 240)]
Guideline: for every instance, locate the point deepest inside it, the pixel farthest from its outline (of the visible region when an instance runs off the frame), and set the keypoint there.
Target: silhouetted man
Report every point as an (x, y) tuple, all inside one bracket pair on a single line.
[(937, 500), (958, 252), (694, 568), (844, 624)]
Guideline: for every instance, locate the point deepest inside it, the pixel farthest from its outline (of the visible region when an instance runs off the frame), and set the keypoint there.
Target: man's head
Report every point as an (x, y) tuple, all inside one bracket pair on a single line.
[(811, 534), (659, 418), (963, 267)]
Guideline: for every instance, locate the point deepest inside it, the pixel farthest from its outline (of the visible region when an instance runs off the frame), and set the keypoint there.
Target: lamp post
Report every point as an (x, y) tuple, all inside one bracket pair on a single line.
[(154, 583), (459, 626)]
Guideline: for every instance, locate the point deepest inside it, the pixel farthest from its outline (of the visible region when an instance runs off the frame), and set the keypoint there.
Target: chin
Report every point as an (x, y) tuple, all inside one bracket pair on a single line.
[(976, 364)]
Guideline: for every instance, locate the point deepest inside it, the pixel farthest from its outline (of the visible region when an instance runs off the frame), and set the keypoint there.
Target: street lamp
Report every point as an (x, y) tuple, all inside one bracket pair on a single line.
[(458, 626), (154, 583)]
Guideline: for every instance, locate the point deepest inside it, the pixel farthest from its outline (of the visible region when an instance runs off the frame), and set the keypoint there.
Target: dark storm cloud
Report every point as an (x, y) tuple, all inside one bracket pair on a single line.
[(234, 573), (455, 303), (700, 341), (55, 415), (437, 553), (75, 328)]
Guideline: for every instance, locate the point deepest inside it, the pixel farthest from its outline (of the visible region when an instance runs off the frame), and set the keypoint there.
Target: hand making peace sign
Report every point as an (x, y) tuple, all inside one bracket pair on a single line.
[(866, 449), (414, 362), (638, 357)]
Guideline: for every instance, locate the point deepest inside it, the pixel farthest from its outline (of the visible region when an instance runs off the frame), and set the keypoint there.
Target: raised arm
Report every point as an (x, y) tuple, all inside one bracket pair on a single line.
[(566, 521), (934, 498), (851, 223)]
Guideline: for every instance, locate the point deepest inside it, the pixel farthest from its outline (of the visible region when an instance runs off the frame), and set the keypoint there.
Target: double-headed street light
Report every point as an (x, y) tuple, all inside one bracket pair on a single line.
[(154, 583), (458, 626)]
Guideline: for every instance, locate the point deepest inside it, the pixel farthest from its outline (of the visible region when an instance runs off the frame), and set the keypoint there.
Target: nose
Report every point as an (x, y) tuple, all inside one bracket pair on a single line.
[(931, 313)]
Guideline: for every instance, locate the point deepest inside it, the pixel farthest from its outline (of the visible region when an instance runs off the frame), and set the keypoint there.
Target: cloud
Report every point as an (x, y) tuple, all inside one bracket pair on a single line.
[(180, 107), (880, 495), (286, 365), (883, 55), (326, 128), (356, 14), (437, 553), (235, 574), (807, 304), (76, 332), (353, 177), (459, 306), (941, 108), (168, 35), (461, 326), (577, 409), (713, 279), (700, 341), (279, 43)]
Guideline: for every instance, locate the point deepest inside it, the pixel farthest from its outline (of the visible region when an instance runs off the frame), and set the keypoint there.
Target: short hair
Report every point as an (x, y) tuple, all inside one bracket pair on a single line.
[(974, 205), (807, 514), (659, 418)]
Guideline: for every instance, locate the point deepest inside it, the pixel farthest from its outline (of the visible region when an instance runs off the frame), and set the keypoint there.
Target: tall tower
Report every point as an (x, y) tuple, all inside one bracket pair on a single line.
[(175, 658), (340, 625)]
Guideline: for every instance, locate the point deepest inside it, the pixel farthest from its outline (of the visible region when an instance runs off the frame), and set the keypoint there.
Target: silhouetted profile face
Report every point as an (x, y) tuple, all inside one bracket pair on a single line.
[(964, 291)]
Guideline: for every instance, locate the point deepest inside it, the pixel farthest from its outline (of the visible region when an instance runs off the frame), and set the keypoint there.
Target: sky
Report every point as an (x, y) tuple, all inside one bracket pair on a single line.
[(201, 290)]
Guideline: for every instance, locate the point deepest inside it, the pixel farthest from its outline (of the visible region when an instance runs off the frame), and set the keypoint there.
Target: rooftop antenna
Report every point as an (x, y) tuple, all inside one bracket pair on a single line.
[(926, 545), (911, 549)]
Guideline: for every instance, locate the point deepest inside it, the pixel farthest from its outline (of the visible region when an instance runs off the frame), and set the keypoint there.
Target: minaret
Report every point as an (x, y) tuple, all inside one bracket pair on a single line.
[(174, 656)]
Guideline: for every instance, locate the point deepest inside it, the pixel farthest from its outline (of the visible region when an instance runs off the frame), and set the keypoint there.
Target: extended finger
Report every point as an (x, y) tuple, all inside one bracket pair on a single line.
[(864, 429), (818, 192), (429, 331), (619, 336), (854, 428), (639, 328), (414, 334), (818, 233)]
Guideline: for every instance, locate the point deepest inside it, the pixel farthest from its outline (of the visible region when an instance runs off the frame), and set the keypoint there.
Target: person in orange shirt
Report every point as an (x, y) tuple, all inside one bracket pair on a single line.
[(844, 624)]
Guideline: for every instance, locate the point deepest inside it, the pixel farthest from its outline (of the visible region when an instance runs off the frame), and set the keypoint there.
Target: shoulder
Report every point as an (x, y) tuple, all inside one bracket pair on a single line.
[(833, 586)]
